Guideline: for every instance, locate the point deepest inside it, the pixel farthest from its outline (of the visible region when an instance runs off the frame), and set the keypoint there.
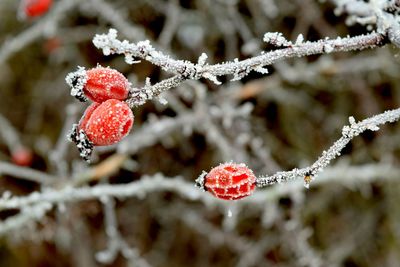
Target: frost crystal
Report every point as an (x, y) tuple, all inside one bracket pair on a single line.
[(202, 59), (352, 120), (129, 59), (162, 100), (300, 39), (83, 144), (200, 181), (261, 70), (328, 48), (77, 80), (212, 78), (276, 39)]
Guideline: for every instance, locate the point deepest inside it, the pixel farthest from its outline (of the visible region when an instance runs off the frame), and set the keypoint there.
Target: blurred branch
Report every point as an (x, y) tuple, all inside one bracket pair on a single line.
[(26, 216), (139, 188), (9, 134), (116, 243), (26, 173), (41, 28)]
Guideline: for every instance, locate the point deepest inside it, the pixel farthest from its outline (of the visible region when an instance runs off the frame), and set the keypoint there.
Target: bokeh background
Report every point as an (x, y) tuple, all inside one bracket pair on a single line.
[(350, 217)]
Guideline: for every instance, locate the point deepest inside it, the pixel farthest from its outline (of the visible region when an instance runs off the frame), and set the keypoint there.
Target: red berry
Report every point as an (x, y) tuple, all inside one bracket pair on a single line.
[(98, 84), (22, 156), (34, 8), (87, 115), (105, 83), (107, 123), (230, 181), (102, 124)]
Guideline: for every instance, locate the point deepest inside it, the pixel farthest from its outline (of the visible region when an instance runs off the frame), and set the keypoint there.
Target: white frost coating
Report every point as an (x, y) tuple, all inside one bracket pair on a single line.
[(162, 100), (300, 39), (276, 39), (328, 48), (185, 70), (202, 59), (261, 70), (77, 80)]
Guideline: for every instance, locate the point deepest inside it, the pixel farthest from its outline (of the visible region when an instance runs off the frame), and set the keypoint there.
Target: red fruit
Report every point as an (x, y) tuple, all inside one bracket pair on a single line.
[(34, 8), (22, 156), (102, 124), (87, 115), (229, 181), (98, 84), (105, 83)]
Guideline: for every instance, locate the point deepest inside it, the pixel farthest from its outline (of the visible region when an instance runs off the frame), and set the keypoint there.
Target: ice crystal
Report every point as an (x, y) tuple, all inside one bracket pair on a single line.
[(77, 80)]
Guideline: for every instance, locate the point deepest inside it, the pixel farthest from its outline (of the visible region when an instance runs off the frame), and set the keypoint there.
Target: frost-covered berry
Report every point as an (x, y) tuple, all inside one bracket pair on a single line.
[(102, 124), (98, 84), (229, 181), (34, 8)]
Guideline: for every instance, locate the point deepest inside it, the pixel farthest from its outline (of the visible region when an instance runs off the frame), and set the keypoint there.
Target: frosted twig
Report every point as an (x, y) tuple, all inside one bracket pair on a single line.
[(159, 183), (188, 70), (139, 96), (35, 205), (185, 70), (348, 133), (380, 13)]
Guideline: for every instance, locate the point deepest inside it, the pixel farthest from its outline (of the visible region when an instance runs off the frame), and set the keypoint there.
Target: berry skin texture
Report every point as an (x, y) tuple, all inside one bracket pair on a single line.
[(105, 83), (102, 124), (98, 84), (34, 8), (107, 123), (230, 181)]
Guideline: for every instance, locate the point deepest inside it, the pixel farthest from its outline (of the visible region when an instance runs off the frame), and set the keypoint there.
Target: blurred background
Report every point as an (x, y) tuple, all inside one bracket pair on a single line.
[(349, 217)]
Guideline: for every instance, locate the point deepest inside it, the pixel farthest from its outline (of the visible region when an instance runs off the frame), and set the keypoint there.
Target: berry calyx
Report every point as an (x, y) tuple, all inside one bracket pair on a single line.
[(98, 84), (34, 8), (102, 124), (229, 181)]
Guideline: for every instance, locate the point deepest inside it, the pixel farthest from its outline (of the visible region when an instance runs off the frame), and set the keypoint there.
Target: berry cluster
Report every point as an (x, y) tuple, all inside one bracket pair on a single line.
[(108, 119), (229, 181)]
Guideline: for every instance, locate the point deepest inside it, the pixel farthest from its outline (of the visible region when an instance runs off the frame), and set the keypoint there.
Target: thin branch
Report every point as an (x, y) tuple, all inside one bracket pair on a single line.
[(348, 133), (184, 69), (35, 205), (139, 188), (144, 50), (26, 173)]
